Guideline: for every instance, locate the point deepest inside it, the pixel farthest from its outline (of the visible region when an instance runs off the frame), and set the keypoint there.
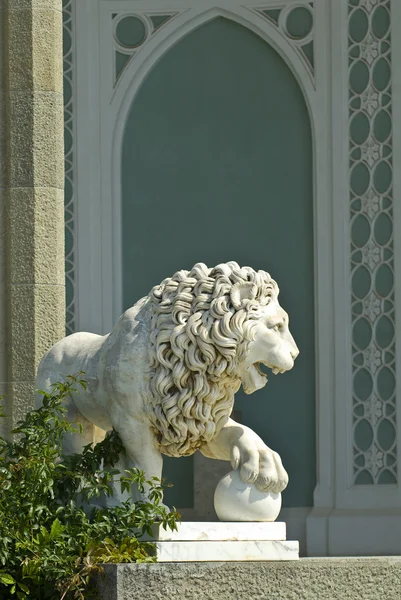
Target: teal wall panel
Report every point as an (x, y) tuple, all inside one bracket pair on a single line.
[(217, 166)]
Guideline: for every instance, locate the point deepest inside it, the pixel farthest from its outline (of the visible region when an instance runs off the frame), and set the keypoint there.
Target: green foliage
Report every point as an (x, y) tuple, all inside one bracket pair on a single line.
[(52, 540)]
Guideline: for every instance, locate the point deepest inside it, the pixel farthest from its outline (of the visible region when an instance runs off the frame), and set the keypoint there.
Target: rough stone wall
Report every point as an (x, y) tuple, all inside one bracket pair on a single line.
[(32, 296), (306, 579), (3, 314)]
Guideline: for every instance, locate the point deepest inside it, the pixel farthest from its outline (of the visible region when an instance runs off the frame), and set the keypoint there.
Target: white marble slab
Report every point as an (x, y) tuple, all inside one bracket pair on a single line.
[(226, 551), (193, 531)]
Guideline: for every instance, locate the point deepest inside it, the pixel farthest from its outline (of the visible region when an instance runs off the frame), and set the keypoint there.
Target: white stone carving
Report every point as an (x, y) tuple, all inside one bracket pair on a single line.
[(371, 254), (369, 49), (374, 460), (235, 500), (370, 151), (374, 410), (372, 358), (166, 376), (371, 203), (370, 100), (372, 307)]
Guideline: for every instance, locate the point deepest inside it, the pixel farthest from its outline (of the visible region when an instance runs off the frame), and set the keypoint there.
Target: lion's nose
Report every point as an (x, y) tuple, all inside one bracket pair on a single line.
[(294, 353)]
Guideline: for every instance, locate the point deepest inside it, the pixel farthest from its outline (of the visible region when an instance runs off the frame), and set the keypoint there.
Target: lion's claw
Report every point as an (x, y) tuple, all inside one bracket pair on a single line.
[(248, 476), (260, 465)]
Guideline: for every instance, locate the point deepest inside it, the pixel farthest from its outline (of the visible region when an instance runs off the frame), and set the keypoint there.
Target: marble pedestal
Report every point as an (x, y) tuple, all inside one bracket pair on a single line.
[(225, 542)]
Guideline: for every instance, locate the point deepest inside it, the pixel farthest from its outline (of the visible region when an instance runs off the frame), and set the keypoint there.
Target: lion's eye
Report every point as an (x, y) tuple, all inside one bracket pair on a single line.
[(278, 327)]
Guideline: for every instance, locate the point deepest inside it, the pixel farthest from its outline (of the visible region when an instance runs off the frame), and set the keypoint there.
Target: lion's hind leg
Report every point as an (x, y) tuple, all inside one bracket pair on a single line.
[(141, 451), (87, 433)]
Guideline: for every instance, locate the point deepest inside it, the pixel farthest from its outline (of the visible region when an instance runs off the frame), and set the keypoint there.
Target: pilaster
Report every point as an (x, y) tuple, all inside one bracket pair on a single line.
[(32, 195)]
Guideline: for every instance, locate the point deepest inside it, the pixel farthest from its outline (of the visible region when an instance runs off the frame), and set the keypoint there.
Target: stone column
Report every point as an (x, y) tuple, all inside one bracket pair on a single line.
[(32, 194)]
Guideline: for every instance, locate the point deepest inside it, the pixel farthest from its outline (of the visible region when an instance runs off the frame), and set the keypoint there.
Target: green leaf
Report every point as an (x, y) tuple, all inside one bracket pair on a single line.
[(6, 578), (56, 529), (53, 544)]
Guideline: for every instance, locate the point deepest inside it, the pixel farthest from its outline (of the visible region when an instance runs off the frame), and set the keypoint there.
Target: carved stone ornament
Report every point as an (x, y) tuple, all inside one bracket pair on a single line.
[(69, 151), (372, 243), (165, 377)]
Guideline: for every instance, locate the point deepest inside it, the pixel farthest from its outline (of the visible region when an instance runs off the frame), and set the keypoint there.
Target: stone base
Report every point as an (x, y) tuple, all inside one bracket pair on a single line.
[(228, 542), (188, 531), (307, 579)]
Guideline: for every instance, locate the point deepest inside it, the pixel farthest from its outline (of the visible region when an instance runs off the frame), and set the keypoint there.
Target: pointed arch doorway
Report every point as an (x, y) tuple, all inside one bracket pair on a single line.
[(216, 165)]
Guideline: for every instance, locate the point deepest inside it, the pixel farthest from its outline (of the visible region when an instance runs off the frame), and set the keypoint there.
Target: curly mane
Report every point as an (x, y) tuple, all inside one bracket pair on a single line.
[(197, 341)]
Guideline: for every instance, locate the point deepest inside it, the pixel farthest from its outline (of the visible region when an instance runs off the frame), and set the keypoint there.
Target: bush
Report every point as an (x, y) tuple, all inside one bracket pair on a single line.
[(51, 540)]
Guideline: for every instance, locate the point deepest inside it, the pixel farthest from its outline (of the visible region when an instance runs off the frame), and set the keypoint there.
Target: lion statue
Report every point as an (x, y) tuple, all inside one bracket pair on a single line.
[(166, 376)]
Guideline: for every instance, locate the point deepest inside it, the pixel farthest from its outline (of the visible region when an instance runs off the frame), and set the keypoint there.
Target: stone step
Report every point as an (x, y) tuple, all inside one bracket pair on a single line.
[(311, 578), (227, 551), (203, 531)]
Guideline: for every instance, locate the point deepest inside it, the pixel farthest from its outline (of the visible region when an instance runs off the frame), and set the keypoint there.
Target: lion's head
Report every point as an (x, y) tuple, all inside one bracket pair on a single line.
[(210, 331)]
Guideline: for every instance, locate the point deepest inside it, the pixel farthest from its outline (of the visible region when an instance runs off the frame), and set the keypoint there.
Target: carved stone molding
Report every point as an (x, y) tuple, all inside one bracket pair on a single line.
[(131, 31), (372, 252), (296, 25), (69, 150)]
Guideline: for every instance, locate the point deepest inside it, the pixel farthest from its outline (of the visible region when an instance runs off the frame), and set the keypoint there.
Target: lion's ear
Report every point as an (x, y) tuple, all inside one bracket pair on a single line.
[(241, 292)]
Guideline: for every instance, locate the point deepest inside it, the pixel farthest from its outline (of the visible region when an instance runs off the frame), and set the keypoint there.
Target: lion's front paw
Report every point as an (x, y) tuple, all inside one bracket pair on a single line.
[(259, 464)]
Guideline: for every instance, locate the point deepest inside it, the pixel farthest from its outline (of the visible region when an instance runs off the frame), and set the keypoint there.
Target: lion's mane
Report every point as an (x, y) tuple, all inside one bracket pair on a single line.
[(197, 340)]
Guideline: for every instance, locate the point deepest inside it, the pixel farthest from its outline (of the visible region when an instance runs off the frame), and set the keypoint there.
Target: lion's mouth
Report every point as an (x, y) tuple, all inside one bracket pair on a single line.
[(254, 378), (274, 370)]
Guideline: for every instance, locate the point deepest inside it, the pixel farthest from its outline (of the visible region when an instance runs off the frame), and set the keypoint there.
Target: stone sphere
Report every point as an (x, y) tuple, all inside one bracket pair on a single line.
[(235, 500)]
